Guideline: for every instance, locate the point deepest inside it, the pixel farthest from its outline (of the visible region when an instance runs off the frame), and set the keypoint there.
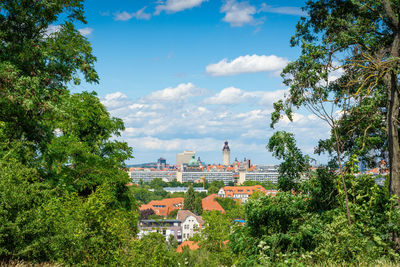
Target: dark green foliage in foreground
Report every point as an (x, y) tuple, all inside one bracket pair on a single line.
[(62, 185), (311, 227)]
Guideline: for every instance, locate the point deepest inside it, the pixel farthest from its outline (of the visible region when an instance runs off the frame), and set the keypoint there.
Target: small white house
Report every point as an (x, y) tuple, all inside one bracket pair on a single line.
[(191, 223)]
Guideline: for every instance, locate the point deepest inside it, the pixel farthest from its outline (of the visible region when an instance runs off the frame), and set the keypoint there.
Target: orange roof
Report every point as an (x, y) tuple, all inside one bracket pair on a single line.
[(190, 244), (230, 191), (209, 203), (165, 206)]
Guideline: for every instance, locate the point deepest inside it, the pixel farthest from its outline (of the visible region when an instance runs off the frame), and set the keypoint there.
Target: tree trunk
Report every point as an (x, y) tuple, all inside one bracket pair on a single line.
[(393, 136), (393, 123)]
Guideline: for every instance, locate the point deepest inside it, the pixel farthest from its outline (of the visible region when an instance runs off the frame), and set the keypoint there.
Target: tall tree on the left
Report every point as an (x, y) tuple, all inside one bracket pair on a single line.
[(66, 137), (63, 196)]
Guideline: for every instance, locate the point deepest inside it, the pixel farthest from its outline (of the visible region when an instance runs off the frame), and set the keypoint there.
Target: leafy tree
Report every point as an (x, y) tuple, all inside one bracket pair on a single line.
[(198, 205), (144, 214), (295, 164), (190, 199), (158, 183), (212, 190), (216, 231), (362, 39)]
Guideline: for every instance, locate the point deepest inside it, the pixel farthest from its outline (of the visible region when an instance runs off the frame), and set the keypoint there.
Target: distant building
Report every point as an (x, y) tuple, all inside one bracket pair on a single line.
[(147, 175), (165, 206), (226, 177), (183, 189), (184, 157), (243, 193), (226, 154), (161, 163), (165, 227), (191, 223)]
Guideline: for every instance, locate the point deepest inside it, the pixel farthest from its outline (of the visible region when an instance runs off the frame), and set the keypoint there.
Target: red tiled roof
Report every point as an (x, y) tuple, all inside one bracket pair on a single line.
[(190, 244), (183, 214), (209, 203), (165, 206), (230, 191)]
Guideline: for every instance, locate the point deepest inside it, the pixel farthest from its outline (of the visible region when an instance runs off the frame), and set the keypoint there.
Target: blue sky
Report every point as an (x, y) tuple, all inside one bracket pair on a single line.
[(188, 74)]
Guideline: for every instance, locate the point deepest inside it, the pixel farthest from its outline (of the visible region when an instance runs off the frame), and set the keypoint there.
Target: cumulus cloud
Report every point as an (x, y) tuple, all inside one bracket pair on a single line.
[(233, 95), (140, 14), (186, 117), (176, 94), (86, 31), (172, 6), (247, 64), (227, 96), (115, 100), (238, 13)]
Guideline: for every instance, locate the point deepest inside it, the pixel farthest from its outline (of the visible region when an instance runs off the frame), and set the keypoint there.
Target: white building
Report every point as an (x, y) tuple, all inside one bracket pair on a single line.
[(191, 223), (184, 157), (147, 176)]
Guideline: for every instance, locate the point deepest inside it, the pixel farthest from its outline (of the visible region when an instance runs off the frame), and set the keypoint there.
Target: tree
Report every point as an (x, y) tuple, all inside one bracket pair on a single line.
[(74, 206), (190, 199), (295, 164), (198, 205), (362, 39)]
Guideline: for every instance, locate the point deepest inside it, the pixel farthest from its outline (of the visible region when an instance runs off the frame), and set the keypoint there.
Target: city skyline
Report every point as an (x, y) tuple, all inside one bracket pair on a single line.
[(216, 63)]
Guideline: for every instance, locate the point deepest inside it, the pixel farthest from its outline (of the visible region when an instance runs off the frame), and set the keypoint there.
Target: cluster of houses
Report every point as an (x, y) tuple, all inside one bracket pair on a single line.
[(187, 223)]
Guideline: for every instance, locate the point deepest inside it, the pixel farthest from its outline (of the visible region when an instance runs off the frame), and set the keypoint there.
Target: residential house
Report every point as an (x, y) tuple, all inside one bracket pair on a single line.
[(165, 206), (165, 227), (190, 223), (243, 193)]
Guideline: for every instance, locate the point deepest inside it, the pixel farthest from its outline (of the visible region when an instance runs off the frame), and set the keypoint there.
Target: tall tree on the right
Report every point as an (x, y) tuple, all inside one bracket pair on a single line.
[(358, 40)]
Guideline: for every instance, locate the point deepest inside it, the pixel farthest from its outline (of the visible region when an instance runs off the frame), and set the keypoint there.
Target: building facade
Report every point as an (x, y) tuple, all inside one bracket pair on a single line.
[(165, 227), (191, 223), (147, 176), (226, 177), (184, 157)]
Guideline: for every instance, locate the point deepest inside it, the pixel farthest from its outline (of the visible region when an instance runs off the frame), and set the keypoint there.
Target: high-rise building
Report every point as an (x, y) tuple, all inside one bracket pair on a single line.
[(226, 155), (184, 157)]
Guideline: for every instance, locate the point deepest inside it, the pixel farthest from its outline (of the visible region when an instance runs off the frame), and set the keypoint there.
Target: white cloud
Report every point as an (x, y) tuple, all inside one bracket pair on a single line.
[(287, 10), (140, 14), (227, 96), (247, 64), (86, 31), (232, 95), (52, 29), (186, 117), (115, 100), (238, 13), (176, 94), (172, 6)]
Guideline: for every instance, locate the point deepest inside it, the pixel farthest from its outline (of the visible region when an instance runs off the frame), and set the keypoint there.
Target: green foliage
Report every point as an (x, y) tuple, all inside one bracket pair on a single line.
[(153, 250), (190, 198), (40, 225), (283, 146), (193, 201), (216, 231), (322, 190), (212, 190), (267, 184)]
